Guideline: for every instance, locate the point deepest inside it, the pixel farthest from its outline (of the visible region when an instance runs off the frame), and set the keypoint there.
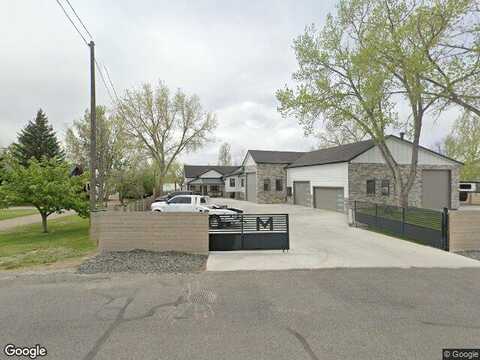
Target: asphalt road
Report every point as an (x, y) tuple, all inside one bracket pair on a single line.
[(302, 314)]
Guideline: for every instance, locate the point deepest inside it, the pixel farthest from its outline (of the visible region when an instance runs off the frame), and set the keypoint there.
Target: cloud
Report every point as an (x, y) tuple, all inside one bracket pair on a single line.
[(234, 55)]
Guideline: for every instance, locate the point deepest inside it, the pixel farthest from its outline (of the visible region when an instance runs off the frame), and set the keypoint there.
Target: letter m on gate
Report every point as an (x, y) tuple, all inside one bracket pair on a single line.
[(268, 223)]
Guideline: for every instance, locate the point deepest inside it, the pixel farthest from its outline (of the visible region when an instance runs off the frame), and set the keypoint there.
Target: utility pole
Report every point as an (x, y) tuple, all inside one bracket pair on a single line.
[(93, 131)]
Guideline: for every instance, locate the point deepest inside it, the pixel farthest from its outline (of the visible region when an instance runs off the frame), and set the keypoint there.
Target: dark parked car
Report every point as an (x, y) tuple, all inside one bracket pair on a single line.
[(167, 197)]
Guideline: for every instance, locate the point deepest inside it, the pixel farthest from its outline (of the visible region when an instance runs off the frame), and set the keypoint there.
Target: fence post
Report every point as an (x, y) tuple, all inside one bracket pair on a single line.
[(403, 221), (241, 235), (445, 229), (355, 212), (288, 233)]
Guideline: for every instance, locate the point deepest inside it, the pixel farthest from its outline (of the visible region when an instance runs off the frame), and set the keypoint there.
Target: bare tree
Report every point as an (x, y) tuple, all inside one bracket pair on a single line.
[(224, 154), (334, 135), (166, 125)]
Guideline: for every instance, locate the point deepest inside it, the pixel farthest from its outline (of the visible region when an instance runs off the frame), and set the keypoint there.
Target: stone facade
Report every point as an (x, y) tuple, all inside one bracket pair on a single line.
[(271, 172), (359, 173)]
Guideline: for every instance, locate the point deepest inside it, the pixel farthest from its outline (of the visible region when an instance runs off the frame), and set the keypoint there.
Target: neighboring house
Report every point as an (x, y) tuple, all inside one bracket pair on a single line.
[(262, 177), (207, 179), (328, 178)]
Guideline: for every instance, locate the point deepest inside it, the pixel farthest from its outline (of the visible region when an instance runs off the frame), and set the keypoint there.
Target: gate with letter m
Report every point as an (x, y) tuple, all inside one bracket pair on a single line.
[(249, 232)]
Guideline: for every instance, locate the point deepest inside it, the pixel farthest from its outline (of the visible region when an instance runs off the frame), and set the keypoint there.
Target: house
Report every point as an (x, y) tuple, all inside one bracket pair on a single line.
[(331, 178), (262, 177), (207, 179)]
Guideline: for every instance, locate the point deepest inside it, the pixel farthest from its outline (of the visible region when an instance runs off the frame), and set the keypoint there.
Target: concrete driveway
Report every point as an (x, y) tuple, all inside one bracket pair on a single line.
[(323, 239)]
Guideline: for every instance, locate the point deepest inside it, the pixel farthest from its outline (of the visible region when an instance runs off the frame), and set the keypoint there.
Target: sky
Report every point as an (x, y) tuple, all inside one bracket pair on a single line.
[(233, 54)]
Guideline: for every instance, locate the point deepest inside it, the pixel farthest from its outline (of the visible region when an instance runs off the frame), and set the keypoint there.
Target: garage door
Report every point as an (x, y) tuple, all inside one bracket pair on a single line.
[(301, 193), (328, 198), (252, 187), (436, 189)]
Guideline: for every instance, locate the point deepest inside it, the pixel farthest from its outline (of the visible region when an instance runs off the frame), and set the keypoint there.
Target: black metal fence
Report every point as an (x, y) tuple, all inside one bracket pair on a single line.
[(249, 232), (424, 226)]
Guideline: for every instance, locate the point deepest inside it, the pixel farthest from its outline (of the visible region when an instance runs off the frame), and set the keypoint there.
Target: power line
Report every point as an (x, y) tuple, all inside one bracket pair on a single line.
[(111, 84), (71, 21), (78, 17), (103, 81)]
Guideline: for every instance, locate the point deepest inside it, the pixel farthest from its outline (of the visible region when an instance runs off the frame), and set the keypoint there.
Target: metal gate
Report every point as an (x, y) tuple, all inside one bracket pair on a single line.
[(249, 232), (424, 226)]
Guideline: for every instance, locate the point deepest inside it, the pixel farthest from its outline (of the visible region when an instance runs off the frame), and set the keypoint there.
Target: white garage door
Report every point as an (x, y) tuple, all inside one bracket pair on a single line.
[(301, 193), (328, 198), (252, 187)]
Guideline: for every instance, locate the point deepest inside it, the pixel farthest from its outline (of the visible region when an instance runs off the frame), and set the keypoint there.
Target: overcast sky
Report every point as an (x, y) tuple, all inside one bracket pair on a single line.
[(233, 54)]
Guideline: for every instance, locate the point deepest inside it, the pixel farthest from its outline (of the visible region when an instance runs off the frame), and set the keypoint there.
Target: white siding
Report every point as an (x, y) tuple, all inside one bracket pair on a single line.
[(331, 175), (211, 174), (238, 184), (249, 160), (402, 152)]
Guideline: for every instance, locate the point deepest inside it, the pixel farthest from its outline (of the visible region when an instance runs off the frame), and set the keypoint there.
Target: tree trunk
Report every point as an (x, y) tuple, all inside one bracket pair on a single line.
[(403, 198), (44, 222)]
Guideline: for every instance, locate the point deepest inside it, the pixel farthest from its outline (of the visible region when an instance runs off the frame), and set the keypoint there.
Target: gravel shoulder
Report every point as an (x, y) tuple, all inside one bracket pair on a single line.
[(472, 254), (143, 261)]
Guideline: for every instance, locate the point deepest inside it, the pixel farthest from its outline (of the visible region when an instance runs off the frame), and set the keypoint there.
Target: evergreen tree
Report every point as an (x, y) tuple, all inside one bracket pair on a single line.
[(37, 140)]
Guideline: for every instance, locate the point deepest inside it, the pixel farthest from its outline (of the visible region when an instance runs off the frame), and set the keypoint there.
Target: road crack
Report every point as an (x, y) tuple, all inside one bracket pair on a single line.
[(304, 343)]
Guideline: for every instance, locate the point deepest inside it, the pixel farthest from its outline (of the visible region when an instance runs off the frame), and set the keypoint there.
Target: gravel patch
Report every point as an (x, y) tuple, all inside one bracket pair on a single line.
[(473, 254), (143, 261)]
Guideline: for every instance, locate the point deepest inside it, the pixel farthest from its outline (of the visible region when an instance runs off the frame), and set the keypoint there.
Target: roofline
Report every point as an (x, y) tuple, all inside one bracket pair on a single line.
[(372, 146), (197, 176), (318, 164), (268, 162), (427, 149)]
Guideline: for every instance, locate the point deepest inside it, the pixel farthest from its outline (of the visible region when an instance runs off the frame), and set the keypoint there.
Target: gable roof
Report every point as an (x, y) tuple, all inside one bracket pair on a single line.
[(192, 171), (334, 154), (275, 157), (237, 171), (348, 152)]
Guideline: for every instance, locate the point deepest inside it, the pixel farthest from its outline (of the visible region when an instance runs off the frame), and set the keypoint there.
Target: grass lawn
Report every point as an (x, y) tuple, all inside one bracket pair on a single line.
[(27, 246), (13, 213)]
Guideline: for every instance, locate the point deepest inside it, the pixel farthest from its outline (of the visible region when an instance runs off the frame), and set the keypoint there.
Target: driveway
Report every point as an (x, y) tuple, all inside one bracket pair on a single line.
[(329, 314), (323, 239), (28, 220)]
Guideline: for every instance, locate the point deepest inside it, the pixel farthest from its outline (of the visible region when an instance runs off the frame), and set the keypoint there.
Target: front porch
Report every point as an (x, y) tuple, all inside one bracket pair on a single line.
[(208, 187)]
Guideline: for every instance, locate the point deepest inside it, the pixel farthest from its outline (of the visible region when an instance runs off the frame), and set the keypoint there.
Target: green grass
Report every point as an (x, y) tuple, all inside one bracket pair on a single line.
[(12, 213), (26, 246)]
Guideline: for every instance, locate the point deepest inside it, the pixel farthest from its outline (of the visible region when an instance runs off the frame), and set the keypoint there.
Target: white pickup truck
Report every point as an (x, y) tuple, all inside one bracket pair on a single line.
[(192, 203)]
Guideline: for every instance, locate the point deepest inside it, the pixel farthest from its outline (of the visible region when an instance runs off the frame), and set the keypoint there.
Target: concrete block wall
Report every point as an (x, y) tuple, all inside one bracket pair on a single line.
[(359, 173), (123, 231), (464, 230)]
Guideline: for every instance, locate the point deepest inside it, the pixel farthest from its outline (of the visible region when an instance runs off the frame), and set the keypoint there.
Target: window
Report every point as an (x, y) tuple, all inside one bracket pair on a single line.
[(214, 188), (386, 187), (203, 200), (279, 184), (289, 191), (242, 182), (266, 185), (370, 187), (232, 182), (180, 200)]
